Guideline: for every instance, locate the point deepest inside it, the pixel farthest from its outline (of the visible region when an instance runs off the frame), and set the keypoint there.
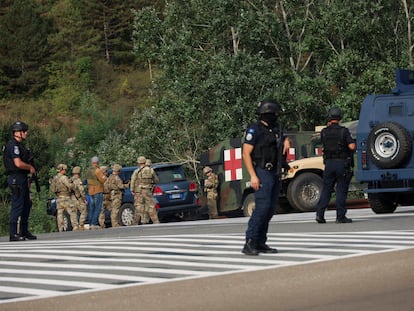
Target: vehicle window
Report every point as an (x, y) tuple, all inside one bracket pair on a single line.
[(170, 174)]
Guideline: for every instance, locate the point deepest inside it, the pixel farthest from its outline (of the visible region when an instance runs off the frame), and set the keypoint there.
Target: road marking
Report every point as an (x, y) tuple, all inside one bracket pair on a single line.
[(51, 268)]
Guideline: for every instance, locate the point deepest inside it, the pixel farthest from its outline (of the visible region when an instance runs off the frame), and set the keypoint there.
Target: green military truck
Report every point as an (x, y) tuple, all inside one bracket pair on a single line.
[(301, 185)]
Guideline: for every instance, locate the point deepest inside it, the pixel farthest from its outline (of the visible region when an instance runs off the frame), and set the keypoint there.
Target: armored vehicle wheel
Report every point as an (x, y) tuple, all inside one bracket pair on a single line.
[(304, 192), (126, 214), (248, 205), (389, 145), (382, 203)]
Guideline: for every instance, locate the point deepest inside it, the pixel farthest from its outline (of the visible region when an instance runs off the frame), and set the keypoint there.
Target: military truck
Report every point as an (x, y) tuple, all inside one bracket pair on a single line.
[(301, 184), (385, 157)]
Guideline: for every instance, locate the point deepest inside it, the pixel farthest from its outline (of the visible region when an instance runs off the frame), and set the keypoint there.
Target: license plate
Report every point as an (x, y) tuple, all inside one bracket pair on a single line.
[(175, 196)]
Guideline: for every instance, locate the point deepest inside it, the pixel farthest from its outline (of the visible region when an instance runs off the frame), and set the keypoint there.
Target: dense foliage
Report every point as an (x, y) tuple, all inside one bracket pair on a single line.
[(169, 79)]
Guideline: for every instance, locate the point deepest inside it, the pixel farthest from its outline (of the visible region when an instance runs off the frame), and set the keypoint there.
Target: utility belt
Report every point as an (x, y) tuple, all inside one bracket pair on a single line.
[(336, 156), (63, 194), (268, 166)]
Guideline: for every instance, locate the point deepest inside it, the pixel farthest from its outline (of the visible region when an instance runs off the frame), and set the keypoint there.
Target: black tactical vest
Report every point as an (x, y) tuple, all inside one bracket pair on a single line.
[(334, 142), (265, 152)]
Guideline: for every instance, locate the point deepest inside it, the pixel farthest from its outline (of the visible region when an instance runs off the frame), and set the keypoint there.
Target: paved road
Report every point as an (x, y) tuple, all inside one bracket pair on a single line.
[(187, 267)]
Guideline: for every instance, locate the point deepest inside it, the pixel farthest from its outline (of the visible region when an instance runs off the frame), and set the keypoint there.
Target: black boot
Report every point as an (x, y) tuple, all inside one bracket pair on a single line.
[(264, 248), (250, 248)]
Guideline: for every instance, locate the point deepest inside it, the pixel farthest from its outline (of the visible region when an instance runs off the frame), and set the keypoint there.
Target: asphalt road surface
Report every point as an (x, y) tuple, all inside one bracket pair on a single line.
[(366, 265)]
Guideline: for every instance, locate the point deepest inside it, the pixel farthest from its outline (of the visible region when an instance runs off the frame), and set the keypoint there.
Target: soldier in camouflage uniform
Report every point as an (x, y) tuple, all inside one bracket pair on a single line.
[(142, 184), (106, 203), (79, 196), (116, 187), (210, 187), (63, 192)]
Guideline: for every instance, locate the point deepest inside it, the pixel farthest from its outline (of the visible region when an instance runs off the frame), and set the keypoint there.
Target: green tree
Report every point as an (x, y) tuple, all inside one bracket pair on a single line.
[(23, 49)]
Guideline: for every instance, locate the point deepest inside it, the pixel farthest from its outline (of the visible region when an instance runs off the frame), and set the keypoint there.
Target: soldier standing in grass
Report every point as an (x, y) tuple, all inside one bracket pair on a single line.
[(210, 187), (79, 196), (142, 184), (116, 188)]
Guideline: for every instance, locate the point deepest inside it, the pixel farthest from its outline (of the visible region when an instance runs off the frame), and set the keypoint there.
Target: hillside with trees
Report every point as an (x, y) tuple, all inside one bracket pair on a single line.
[(169, 79)]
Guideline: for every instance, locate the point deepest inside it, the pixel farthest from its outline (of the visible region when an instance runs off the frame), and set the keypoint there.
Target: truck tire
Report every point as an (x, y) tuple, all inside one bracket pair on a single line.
[(248, 205), (389, 145), (382, 203), (126, 214), (304, 192)]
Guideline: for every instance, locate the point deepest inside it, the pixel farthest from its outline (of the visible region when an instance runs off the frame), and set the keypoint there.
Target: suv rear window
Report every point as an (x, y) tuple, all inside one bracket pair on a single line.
[(170, 174)]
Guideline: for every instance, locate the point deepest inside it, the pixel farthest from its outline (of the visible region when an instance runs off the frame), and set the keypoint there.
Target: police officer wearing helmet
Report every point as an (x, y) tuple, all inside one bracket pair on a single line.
[(16, 161), (261, 156), (338, 147)]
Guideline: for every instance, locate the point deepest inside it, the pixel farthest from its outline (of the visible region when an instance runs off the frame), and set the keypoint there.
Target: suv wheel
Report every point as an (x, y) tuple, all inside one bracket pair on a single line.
[(304, 192), (389, 145), (126, 214)]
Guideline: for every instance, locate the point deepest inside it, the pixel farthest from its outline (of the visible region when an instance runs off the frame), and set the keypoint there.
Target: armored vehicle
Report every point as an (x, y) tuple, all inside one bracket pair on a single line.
[(385, 145)]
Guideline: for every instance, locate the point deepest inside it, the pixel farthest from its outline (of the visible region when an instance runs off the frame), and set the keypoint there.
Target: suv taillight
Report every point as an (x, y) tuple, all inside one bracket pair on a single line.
[(157, 191), (193, 187)]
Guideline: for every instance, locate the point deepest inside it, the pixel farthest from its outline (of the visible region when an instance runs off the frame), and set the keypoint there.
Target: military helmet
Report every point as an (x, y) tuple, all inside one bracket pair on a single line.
[(268, 106), (141, 160), (117, 167), (148, 162), (207, 170), (61, 167), (19, 126), (335, 114), (103, 168), (76, 170)]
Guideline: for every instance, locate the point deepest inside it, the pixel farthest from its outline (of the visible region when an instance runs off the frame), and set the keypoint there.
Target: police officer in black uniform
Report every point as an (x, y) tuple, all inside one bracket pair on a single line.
[(16, 158), (338, 148), (262, 150)]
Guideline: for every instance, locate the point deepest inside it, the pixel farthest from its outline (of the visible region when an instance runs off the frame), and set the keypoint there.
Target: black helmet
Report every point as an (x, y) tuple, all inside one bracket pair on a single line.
[(19, 126), (268, 106), (334, 114)]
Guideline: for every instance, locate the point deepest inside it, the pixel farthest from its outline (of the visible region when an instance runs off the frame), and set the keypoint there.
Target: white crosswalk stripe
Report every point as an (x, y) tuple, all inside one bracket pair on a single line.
[(42, 269)]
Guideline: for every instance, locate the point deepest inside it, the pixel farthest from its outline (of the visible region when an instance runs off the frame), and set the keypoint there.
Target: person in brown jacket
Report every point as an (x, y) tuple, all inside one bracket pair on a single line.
[(96, 179)]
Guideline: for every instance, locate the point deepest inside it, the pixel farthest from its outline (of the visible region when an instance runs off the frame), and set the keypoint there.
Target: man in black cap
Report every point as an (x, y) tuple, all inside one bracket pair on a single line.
[(16, 161)]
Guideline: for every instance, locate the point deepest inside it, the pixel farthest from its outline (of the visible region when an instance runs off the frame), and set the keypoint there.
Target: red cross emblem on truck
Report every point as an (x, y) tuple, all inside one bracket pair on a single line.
[(233, 164)]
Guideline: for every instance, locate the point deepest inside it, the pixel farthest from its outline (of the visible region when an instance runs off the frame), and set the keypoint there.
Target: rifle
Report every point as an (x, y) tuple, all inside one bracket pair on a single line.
[(35, 177)]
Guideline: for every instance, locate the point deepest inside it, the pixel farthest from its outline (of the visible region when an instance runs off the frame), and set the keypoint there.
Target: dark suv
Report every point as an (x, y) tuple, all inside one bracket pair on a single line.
[(176, 197)]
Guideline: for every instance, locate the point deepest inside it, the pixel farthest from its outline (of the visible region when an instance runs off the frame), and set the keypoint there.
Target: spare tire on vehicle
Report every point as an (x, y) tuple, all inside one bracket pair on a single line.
[(389, 145)]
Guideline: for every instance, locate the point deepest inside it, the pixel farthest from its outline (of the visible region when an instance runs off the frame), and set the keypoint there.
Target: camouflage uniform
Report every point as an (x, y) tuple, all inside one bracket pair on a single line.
[(63, 202), (210, 187), (116, 188), (106, 203), (79, 196), (142, 183)]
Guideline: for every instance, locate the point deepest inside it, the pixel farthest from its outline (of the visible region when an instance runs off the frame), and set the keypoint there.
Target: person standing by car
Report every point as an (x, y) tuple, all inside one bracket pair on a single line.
[(210, 187), (116, 187), (16, 161), (79, 196), (262, 155), (106, 202), (96, 179), (63, 188), (143, 180), (338, 148)]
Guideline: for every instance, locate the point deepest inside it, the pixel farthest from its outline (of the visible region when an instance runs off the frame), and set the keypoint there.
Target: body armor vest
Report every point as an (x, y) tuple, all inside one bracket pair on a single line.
[(265, 152), (334, 144)]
